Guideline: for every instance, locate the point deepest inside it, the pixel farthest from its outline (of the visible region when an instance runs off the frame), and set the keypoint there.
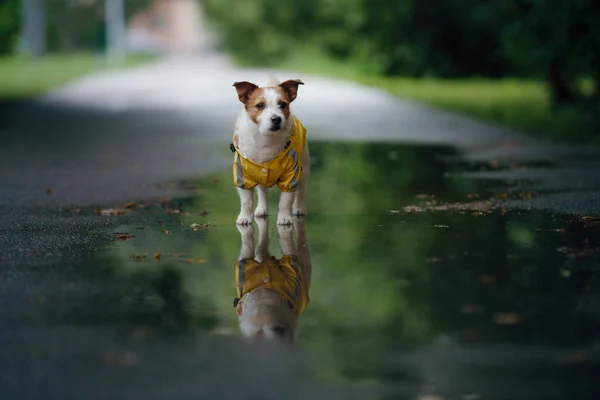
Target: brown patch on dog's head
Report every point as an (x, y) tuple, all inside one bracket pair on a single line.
[(255, 104), (291, 88)]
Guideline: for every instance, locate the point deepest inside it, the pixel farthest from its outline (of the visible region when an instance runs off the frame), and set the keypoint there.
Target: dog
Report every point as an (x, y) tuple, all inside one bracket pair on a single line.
[(270, 149), (272, 293)]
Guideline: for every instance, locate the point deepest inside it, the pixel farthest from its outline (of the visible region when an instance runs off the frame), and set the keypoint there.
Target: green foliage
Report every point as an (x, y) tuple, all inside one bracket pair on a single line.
[(520, 103), (9, 25), (553, 45), (555, 39)]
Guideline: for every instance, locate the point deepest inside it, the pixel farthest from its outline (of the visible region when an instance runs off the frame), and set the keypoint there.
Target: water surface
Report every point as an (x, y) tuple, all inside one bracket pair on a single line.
[(423, 284)]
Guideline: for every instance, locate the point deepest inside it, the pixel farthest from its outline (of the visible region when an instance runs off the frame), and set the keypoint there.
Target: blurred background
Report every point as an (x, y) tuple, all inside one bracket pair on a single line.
[(528, 64), (457, 254)]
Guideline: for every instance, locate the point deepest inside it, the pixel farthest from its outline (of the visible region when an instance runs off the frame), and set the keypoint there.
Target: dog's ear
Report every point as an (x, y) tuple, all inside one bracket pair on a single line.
[(291, 87), (244, 89)]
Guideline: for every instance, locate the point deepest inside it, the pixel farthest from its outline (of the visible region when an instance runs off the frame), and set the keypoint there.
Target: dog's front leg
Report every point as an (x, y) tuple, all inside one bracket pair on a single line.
[(286, 241), (246, 200), (284, 217), (262, 209), (247, 236)]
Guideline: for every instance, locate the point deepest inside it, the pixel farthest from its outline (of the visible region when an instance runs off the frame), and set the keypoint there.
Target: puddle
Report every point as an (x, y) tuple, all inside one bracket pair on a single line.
[(446, 301)]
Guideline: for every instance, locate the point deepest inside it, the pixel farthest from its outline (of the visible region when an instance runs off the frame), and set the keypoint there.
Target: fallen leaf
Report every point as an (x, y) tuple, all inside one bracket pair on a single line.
[(477, 206), (566, 250), (591, 219), (394, 211), (172, 211), (487, 279), (506, 318), (201, 261), (130, 205), (157, 256), (471, 309), (97, 211), (577, 357), (526, 195), (413, 209), (124, 236), (166, 231), (112, 212), (196, 226), (441, 226), (204, 213), (561, 230)]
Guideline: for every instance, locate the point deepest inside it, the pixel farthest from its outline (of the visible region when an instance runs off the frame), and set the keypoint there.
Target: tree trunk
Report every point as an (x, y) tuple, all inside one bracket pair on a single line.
[(561, 90)]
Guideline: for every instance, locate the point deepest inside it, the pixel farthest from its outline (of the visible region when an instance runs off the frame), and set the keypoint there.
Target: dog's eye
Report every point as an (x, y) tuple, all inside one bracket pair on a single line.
[(282, 105), (260, 106)]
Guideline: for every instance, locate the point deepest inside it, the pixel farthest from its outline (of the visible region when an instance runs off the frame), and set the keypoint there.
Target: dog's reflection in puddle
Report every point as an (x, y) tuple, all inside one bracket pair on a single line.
[(272, 292)]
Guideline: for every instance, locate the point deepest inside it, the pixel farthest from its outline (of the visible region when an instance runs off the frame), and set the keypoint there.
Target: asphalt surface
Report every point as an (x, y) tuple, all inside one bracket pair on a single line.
[(129, 135)]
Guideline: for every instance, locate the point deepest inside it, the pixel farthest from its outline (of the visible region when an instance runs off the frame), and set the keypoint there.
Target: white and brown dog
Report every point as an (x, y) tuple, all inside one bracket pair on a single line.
[(270, 149), (272, 293)]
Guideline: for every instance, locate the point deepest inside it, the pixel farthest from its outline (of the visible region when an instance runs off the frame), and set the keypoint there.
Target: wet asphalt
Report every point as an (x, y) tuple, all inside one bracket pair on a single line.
[(58, 164)]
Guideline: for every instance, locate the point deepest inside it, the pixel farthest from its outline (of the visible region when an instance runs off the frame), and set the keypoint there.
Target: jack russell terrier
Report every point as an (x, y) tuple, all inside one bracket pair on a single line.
[(272, 293), (270, 149)]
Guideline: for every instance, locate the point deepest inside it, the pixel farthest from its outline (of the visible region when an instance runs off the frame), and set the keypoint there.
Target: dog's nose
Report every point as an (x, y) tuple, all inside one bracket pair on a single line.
[(276, 120)]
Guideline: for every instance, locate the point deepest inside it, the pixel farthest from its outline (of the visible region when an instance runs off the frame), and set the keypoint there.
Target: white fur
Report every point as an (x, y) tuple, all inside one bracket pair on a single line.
[(259, 144)]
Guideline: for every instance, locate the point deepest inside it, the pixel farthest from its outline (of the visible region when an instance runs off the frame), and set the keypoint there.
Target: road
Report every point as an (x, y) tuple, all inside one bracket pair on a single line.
[(129, 135)]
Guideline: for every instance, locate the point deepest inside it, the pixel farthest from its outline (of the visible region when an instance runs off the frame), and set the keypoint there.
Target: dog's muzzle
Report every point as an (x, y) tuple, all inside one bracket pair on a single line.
[(275, 123)]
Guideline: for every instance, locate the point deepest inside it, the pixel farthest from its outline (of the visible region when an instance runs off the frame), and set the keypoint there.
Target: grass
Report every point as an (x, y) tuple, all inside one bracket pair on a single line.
[(22, 78), (518, 103)]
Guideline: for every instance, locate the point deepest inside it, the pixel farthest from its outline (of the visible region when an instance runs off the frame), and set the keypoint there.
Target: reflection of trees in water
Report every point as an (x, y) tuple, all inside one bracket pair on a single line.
[(382, 283), (154, 296)]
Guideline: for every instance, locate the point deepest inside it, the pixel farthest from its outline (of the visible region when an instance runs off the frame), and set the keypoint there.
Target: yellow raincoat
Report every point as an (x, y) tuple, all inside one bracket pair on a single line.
[(284, 170), (284, 276)]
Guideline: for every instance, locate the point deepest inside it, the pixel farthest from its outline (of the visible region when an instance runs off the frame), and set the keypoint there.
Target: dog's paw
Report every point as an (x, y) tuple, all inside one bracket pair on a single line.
[(285, 219), (299, 211), (244, 219), (299, 208), (284, 229), (261, 213)]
